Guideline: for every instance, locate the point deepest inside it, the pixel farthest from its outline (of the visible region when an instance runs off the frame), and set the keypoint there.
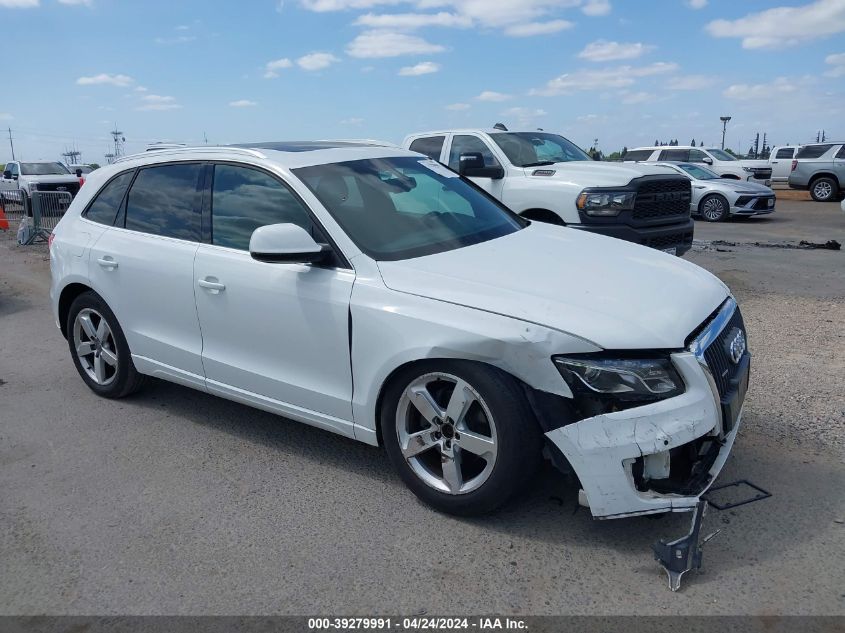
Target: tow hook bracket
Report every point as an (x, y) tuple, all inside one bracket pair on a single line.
[(735, 487), (679, 556)]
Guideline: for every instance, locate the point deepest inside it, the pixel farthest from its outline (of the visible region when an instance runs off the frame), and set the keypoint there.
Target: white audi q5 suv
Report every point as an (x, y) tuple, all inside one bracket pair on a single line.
[(373, 292)]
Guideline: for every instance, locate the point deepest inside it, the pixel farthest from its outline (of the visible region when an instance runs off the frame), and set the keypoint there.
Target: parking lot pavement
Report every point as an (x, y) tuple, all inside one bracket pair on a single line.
[(173, 501)]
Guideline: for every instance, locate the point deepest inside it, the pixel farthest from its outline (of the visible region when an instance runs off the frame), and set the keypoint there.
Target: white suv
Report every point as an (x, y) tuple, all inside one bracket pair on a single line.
[(718, 160), (543, 176), (374, 293)]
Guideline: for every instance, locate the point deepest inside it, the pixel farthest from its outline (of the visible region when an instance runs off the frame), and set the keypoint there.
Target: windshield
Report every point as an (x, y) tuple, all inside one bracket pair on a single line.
[(43, 169), (397, 208), (531, 149), (85, 169), (699, 173), (720, 154)]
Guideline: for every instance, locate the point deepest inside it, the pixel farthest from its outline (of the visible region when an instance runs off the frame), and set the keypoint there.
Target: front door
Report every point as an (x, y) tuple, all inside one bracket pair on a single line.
[(466, 143), (274, 335)]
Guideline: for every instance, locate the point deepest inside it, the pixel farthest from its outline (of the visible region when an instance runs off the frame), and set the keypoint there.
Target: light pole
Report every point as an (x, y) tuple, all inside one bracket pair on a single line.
[(724, 120)]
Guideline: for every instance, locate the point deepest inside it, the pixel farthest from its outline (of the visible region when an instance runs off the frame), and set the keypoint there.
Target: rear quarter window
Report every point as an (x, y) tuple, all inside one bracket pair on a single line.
[(813, 151), (786, 152)]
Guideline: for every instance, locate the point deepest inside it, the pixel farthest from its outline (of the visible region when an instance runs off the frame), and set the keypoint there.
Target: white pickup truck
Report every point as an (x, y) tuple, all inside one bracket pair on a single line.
[(544, 177), (26, 177)]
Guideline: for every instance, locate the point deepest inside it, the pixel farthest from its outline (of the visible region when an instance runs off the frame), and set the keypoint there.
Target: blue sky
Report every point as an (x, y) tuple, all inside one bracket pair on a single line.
[(623, 71)]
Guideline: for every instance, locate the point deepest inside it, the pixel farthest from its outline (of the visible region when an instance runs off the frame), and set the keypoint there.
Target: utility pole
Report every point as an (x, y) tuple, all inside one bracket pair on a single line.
[(11, 143), (205, 138), (757, 145), (119, 139), (724, 120)]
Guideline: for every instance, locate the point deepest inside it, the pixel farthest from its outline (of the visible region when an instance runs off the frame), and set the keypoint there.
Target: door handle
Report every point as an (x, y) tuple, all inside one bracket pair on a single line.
[(107, 262), (213, 286)]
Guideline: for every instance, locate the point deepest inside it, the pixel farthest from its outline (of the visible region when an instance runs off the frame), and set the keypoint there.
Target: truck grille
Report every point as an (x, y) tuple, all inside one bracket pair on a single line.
[(717, 354), (662, 197), (668, 241), (71, 187)]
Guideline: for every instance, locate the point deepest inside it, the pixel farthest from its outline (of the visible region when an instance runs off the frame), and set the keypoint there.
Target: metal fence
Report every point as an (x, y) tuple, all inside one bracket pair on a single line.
[(28, 220)]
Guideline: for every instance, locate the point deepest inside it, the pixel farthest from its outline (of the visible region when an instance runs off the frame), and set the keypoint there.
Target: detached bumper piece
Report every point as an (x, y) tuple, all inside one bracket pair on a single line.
[(679, 556)]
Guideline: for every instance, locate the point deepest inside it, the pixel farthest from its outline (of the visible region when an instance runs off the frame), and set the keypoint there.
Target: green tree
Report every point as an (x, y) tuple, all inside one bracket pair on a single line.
[(692, 143)]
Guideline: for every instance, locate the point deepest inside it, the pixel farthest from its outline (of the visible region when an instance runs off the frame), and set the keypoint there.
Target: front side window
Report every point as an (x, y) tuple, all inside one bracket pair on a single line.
[(43, 169), (721, 155), (675, 154), (786, 152), (530, 149), (107, 203), (397, 208), (14, 169), (244, 199), (164, 201), (465, 144), (696, 156), (430, 146), (638, 154)]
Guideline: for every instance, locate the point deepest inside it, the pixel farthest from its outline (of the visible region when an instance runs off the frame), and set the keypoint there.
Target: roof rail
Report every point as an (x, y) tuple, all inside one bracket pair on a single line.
[(203, 149)]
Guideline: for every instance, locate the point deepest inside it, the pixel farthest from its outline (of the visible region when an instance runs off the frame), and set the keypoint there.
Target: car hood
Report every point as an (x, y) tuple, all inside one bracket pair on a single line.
[(739, 186), (59, 178), (616, 294), (600, 174)]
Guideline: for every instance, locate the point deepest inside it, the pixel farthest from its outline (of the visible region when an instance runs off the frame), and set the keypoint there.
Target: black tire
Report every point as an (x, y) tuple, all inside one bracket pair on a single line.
[(714, 207), (824, 189), (126, 379), (518, 437)]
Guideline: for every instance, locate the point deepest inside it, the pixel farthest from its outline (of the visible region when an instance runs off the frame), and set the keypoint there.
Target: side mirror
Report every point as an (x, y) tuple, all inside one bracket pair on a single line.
[(285, 243), (707, 160), (79, 173), (471, 165), (7, 174)]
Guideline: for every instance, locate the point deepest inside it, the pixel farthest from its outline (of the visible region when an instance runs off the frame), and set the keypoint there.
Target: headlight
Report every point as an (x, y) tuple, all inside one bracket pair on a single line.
[(605, 203), (620, 378), (33, 186)]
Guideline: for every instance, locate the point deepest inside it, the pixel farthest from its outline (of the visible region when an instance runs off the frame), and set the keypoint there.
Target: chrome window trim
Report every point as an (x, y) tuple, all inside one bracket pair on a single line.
[(712, 331)]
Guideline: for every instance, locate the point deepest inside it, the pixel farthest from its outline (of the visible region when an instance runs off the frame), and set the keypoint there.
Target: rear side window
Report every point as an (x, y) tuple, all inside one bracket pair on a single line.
[(430, 146), (841, 152), (812, 151), (638, 154), (681, 155), (464, 144), (107, 203), (164, 201), (785, 152), (244, 199)]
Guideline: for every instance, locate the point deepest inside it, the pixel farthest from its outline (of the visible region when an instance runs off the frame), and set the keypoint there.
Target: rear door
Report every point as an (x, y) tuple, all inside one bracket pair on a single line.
[(839, 166), (143, 268), (275, 335), (782, 163)]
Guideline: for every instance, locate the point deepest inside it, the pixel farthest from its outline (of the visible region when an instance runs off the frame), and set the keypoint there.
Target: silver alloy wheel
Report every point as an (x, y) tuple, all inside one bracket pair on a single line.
[(714, 208), (446, 433), (823, 190), (95, 346)]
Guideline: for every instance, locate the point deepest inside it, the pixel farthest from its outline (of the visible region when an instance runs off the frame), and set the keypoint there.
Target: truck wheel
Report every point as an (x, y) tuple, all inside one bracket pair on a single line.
[(461, 435), (714, 208), (824, 189)]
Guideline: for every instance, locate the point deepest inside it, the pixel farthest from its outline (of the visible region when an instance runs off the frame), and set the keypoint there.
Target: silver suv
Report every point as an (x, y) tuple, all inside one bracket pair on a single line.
[(819, 167)]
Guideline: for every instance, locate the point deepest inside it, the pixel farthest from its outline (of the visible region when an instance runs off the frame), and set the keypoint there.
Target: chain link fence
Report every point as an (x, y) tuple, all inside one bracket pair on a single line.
[(28, 220)]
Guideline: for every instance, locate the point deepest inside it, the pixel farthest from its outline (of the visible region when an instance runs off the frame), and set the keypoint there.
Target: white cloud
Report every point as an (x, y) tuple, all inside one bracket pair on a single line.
[(604, 51), (530, 29), (423, 68), (19, 4), (86, 3), (158, 102), (836, 60), (316, 61), (603, 79), (178, 39), (690, 82), (631, 98), (596, 7), (104, 78), (322, 6), (458, 107), (354, 120), (5, 116), (411, 21), (696, 4), (490, 95), (766, 91), (784, 26), (271, 69), (525, 117), (242, 103), (140, 89), (591, 118), (373, 44)]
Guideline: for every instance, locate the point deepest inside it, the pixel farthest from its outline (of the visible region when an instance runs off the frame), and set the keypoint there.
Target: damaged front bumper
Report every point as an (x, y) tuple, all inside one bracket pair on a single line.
[(655, 458)]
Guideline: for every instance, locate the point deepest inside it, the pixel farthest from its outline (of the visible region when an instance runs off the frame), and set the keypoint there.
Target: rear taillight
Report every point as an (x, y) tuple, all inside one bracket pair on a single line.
[(50, 240), (81, 181), (794, 164)]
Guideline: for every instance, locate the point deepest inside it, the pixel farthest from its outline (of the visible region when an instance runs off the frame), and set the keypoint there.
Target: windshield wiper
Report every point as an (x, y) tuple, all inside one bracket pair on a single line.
[(539, 163)]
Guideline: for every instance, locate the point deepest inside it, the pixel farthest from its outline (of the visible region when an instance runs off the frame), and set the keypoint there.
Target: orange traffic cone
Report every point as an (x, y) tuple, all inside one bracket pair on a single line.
[(4, 222)]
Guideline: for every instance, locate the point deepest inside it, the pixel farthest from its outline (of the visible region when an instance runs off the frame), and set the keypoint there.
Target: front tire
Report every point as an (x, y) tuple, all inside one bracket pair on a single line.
[(824, 189), (99, 349), (460, 434), (714, 208)]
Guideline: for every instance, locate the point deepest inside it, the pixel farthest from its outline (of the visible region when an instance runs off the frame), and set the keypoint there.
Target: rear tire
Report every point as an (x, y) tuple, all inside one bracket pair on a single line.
[(824, 189), (460, 434), (99, 349), (714, 208)]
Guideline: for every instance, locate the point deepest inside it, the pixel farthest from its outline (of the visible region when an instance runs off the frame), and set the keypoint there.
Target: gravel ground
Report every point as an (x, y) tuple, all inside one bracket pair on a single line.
[(175, 502)]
